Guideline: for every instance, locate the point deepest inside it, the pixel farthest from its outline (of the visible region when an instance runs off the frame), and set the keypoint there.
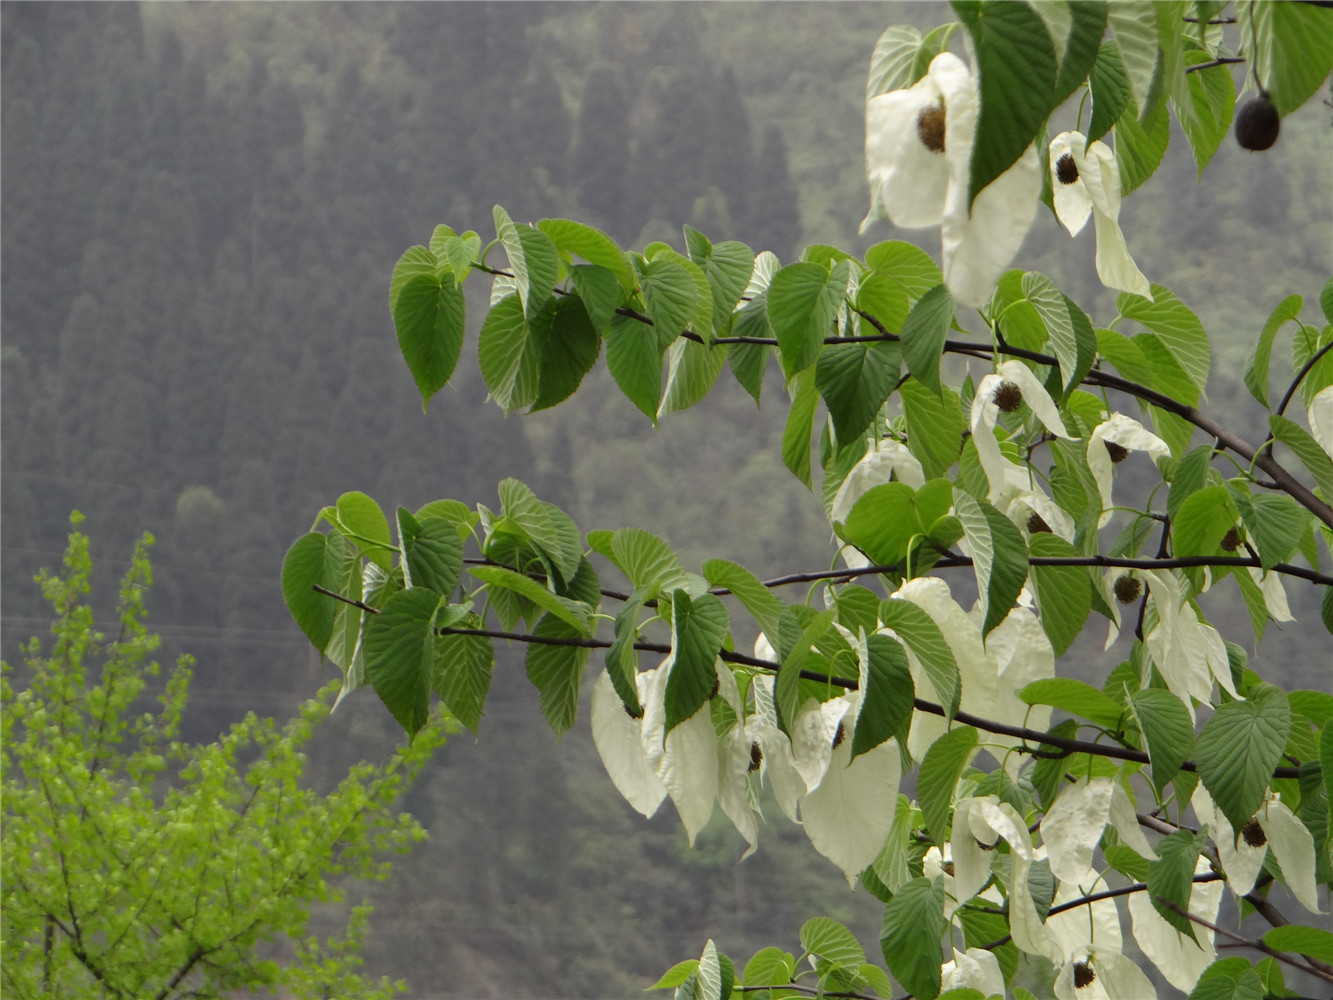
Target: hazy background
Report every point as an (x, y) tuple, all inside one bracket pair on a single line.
[(201, 207)]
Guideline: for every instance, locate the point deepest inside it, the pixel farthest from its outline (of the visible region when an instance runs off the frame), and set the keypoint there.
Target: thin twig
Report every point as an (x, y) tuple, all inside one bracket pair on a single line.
[(1257, 945)]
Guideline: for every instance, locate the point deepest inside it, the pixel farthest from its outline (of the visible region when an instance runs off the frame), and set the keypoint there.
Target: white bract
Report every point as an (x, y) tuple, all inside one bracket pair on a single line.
[(1124, 432), (918, 161), (1278, 830), (976, 969), (1085, 180), (1072, 828), (1189, 654), (1320, 415), (1004, 475), (1180, 959)]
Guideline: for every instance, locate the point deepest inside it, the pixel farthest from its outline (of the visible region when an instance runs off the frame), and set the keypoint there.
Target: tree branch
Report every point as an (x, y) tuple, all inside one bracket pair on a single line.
[(1257, 945), (1097, 897), (1065, 745)]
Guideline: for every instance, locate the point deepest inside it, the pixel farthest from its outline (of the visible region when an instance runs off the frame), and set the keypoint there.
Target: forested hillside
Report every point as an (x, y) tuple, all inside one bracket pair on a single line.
[(202, 204)]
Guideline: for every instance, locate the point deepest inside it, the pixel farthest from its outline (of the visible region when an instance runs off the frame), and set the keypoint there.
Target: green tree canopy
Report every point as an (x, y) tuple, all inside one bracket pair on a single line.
[(138, 865)]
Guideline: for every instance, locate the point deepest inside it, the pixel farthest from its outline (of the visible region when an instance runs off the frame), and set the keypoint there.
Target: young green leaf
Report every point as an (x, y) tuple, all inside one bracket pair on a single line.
[(556, 670), (462, 676), (432, 552), (532, 258), (571, 347), (1165, 723), (429, 316), (1110, 90), (314, 559), (999, 556), (1256, 369), (1238, 748), (799, 426), (1064, 593), (803, 299), (886, 701), (400, 655), (592, 245), (1074, 697), (510, 350), (941, 768), (1016, 66), (1171, 878), (914, 626), (910, 935), (855, 380), (924, 333), (698, 629)]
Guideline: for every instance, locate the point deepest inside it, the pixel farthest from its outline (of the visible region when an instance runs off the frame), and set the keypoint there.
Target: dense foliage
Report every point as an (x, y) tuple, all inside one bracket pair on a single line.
[(137, 864), (1035, 792)]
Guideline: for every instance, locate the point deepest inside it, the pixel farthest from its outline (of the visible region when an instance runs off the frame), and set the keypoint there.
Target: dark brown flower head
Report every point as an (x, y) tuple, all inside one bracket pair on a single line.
[(1231, 540), (1007, 396), (1118, 452), (1037, 524), (930, 128), (1083, 975), (756, 757), (839, 736), (1066, 169), (631, 713), (986, 847), (1127, 588), (1258, 123), (1254, 834), (717, 686)]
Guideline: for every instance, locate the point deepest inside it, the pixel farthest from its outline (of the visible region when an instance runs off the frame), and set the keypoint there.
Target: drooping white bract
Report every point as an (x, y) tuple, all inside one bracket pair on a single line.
[(1085, 180), (979, 823), (976, 969), (1015, 653), (777, 763), (1072, 828), (918, 162), (1243, 857), (846, 807), (1004, 475), (1180, 959), (848, 815), (685, 758), (733, 766), (1275, 595), (1113, 976), (1086, 940), (619, 741), (1189, 654), (1320, 415), (1127, 433)]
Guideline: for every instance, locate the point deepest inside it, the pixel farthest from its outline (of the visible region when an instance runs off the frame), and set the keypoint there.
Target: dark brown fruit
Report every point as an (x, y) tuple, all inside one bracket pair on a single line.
[(1118, 452), (1254, 834), (1037, 524), (930, 128), (756, 757), (1231, 540), (1066, 169), (1083, 975), (839, 736), (1008, 397), (1127, 589), (1258, 123)]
